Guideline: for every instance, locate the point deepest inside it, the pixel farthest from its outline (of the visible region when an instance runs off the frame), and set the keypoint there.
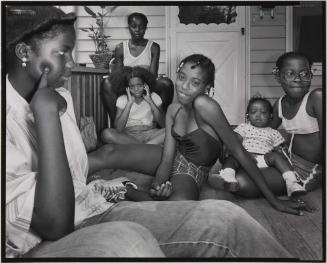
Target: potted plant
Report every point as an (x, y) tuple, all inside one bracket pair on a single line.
[(102, 54)]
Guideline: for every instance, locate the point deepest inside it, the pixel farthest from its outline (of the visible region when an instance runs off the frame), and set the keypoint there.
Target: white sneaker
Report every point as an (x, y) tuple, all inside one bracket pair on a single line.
[(293, 183), (112, 190), (225, 180)]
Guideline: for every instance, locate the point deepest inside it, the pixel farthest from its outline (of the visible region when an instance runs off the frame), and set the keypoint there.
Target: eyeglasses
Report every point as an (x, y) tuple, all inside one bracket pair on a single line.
[(291, 75)]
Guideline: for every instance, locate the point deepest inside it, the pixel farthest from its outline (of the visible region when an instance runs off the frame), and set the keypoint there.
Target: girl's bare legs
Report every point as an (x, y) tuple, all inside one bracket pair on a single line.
[(159, 139), (273, 178), (111, 135), (184, 188), (142, 158)]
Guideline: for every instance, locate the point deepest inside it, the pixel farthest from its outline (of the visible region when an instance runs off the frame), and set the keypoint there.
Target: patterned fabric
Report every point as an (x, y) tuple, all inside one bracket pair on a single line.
[(302, 122), (183, 167), (22, 168), (140, 114), (309, 173), (259, 140)]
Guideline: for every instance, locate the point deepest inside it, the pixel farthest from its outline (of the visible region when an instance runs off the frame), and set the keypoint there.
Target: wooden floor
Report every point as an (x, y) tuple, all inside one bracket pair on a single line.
[(302, 236)]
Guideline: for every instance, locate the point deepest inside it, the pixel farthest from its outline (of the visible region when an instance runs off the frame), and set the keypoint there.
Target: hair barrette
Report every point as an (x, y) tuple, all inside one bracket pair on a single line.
[(275, 71), (197, 63), (180, 66)]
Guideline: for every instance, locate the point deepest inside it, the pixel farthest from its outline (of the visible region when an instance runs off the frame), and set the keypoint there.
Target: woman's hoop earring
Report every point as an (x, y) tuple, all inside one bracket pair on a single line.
[(24, 62)]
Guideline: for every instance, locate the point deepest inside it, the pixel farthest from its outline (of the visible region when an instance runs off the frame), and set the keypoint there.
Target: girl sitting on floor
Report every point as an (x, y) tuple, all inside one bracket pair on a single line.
[(299, 112), (196, 129), (263, 143), (138, 111)]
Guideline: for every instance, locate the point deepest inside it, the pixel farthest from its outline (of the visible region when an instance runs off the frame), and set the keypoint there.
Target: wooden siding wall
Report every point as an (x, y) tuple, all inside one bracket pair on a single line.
[(117, 28), (267, 43)]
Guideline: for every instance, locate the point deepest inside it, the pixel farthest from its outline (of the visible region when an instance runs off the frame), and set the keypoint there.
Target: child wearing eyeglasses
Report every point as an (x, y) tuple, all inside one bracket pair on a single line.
[(299, 112), (138, 111)]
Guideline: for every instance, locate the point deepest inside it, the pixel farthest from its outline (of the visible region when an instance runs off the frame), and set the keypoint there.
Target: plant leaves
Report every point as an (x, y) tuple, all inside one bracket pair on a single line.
[(113, 8), (90, 12)]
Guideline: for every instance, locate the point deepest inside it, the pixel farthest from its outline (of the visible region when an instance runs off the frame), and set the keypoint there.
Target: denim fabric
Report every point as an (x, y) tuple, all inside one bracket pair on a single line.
[(114, 239), (208, 228)]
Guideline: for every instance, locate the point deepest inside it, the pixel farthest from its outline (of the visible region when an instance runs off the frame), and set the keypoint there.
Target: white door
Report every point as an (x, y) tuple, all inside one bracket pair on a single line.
[(224, 44)]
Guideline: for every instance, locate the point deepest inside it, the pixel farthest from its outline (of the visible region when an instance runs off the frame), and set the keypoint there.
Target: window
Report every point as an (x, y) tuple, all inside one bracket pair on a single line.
[(308, 29)]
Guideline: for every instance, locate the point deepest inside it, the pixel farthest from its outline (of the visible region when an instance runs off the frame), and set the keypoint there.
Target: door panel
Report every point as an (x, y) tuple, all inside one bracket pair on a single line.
[(225, 46)]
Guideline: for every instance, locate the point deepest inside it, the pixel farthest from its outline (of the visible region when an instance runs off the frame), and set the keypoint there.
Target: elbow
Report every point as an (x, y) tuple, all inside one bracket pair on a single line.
[(53, 228), (56, 231)]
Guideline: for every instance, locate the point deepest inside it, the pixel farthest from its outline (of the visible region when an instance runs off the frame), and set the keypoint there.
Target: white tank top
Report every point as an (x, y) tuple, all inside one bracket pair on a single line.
[(302, 122), (142, 60)]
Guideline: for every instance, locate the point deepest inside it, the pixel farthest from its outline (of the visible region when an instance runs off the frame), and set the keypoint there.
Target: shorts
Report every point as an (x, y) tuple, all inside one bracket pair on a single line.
[(309, 173), (261, 162), (144, 133), (181, 166)]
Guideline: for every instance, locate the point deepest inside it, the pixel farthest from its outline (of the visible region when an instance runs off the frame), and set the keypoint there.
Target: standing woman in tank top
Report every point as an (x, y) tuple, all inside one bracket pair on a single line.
[(136, 51)]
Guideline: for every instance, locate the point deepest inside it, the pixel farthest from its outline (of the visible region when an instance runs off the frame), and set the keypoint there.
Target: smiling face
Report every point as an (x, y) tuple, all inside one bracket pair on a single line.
[(136, 86), (190, 83), (293, 77), (55, 53), (259, 114), (137, 28)]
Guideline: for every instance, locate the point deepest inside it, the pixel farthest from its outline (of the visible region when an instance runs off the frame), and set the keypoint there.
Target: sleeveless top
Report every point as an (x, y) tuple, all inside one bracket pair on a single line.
[(142, 60), (302, 122), (198, 146)]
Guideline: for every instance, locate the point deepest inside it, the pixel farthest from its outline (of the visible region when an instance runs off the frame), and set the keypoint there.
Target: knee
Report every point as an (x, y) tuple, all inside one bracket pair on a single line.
[(124, 239), (107, 87), (272, 158), (221, 211), (165, 82), (106, 151), (108, 135), (247, 187), (139, 240)]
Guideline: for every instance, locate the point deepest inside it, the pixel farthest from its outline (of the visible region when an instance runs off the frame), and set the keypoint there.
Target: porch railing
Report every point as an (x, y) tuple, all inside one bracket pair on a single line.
[(84, 86)]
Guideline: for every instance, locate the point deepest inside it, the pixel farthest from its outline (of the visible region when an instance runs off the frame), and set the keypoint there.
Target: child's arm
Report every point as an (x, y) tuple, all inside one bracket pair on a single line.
[(122, 115), (54, 202), (164, 168), (275, 122), (315, 99), (155, 55), (211, 113), (158, 115)]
